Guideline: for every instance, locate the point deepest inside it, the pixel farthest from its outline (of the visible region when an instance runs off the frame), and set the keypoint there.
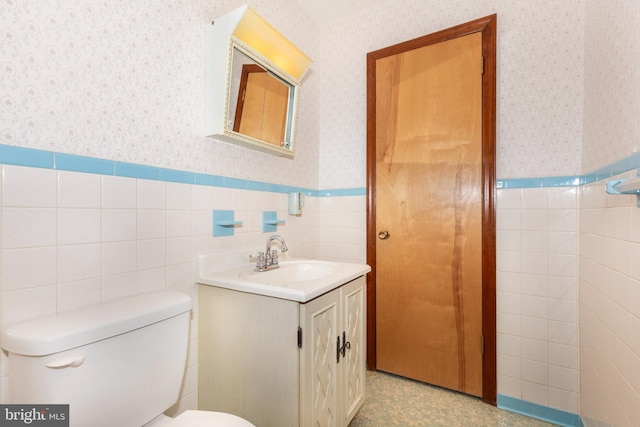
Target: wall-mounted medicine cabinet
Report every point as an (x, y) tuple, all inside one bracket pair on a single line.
[(253, 77)]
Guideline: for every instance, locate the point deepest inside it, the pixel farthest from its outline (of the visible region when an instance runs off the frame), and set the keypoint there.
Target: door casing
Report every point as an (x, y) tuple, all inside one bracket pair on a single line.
[(487, 26)]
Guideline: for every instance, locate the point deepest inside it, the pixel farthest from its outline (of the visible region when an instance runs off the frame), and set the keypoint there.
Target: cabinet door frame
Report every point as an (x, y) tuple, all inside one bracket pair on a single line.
[(316, 316), (353, 369)]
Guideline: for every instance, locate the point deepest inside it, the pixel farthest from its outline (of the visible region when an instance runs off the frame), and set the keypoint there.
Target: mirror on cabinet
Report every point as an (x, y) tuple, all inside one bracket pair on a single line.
[(260, 102), (252, 82)]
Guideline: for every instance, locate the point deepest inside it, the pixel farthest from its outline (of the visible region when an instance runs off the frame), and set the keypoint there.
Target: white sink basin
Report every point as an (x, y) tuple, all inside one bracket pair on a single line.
[(296, 279), (292, 271)]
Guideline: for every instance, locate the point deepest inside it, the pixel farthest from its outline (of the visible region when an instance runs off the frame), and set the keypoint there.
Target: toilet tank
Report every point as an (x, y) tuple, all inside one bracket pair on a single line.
[(116, 364)]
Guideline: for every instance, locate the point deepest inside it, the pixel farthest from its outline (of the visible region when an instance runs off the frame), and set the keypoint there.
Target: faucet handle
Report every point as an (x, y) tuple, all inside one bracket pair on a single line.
[(261, 262), (274, 257)]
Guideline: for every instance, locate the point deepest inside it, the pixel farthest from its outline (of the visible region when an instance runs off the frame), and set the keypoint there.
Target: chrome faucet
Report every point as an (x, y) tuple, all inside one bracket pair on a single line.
[(268, 260)]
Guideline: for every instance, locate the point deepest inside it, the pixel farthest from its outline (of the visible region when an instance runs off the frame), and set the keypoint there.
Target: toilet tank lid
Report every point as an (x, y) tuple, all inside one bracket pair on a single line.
[(74, 328)]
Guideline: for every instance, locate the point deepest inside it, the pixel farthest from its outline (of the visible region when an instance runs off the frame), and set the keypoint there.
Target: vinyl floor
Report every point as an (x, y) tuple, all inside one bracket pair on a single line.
[(397, 401)]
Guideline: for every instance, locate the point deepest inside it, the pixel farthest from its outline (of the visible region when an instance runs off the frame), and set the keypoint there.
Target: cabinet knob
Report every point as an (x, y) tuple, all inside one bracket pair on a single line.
[(384, 235)]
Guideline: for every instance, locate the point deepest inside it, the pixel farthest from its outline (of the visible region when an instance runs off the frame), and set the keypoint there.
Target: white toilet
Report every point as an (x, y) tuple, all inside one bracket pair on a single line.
[(115, 364)]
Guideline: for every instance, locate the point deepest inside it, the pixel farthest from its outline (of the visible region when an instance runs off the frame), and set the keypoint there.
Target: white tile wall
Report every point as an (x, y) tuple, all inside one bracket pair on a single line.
[(71, 240), (537, 251), (547, 244), (79, 190), (138, 236), (609, 301), (342, 228)]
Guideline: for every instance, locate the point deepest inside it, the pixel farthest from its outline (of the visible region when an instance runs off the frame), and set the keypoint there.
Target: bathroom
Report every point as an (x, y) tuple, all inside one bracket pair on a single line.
[(86, 86)]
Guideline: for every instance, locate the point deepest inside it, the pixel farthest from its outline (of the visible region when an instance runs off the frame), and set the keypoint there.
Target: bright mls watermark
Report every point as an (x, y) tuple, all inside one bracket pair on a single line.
[(34, 415)]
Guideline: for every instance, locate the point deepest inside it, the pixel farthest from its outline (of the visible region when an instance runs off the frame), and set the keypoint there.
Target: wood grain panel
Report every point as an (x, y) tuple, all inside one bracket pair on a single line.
[(487, 27), (262, 106), (429, 166)]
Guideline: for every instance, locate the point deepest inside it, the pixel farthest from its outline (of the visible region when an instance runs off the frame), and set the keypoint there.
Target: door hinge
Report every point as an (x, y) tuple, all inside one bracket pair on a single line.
[(299, 337), (482, 65), (482, 344)]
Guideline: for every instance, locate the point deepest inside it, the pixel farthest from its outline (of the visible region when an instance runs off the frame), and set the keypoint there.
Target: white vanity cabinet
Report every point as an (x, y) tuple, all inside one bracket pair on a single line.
[(280, 363), (333, 356)]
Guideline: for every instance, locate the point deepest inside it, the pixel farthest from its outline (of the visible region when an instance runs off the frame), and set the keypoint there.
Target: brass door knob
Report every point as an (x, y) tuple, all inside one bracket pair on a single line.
[(383, 235)]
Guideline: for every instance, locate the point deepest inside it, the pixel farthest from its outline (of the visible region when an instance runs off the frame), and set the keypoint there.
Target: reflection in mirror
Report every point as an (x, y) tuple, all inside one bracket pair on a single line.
[(259, 102)]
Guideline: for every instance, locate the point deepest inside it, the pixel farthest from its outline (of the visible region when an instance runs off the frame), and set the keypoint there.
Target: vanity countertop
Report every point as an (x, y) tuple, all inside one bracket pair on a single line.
[(297, 279)]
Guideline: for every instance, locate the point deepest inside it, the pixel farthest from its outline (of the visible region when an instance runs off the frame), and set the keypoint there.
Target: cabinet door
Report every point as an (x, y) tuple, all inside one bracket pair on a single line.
[(352, 366), (318, 363), (248, 356)]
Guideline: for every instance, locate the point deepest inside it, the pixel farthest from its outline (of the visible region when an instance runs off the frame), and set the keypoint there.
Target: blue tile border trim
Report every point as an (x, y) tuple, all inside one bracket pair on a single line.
[(343, 192), (70, 162), (30, 157), (171, 175), (533, 410), (21, 156), (615, 168), (210, 180), (626, 164), (132, 170), (557, 181)]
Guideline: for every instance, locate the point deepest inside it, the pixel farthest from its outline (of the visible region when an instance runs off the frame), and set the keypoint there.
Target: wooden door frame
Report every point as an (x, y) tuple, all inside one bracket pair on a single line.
[(487, 26), (244, 79)]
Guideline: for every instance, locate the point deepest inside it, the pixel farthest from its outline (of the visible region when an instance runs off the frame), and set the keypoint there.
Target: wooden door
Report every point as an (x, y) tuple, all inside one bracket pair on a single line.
[(431, 226), (262, 106)]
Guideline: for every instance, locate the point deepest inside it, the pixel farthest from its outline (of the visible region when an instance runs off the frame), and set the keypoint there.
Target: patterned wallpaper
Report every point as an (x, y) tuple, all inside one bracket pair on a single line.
[(123, 80), (540, 78), (612, 72)]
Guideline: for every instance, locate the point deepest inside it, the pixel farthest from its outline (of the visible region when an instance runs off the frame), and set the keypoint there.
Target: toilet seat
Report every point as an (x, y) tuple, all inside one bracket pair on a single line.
[(207, 419)]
